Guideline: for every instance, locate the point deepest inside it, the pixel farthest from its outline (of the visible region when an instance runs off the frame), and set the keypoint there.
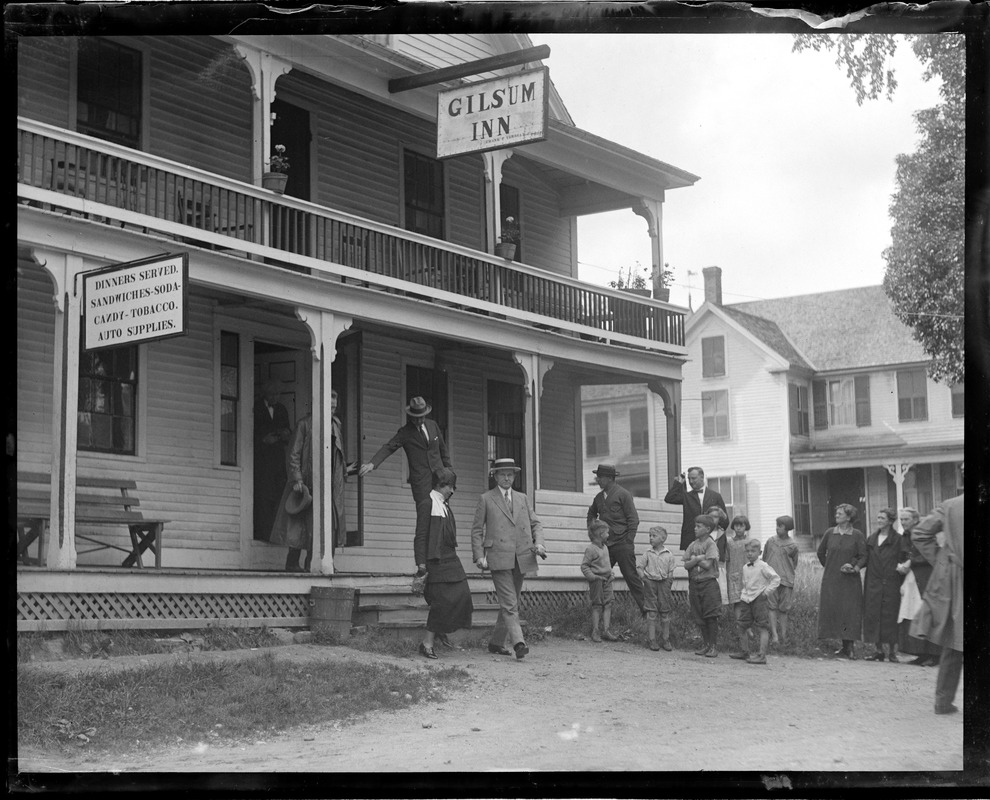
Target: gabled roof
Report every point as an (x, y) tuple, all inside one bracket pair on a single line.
[(844, 329), (770, 334)]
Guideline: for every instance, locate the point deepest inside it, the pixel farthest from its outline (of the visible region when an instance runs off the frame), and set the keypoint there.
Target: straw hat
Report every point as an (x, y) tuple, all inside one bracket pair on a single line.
[(418, 407), (504, 463), (297, 502)]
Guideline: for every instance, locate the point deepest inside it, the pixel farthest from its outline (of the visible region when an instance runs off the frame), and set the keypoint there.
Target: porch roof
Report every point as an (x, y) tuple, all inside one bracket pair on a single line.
[(877, 455)]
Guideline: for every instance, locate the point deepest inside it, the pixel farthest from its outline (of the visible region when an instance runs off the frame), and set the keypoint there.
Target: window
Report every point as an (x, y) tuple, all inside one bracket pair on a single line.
[(733, 491), (423, 189), (108, 91), (230, 382), (841, 401), (108, 400), (918, 488), (639, 430), (712, 356), (715, 414), (958, 401), (912, 396), (798, 402), (596, 434), (802, 504), (510, 206)]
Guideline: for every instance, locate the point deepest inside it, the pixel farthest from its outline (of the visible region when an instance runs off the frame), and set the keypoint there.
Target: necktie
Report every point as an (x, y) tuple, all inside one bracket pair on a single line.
[(426, 434), (508, 500)]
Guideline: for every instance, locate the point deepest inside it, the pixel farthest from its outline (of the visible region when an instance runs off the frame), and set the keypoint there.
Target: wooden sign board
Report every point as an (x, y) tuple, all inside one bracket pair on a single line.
[(136, 302), (493, 114)]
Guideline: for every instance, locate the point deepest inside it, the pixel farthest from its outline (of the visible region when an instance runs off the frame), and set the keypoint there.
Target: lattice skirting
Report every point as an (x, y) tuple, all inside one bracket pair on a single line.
[(112, 610)]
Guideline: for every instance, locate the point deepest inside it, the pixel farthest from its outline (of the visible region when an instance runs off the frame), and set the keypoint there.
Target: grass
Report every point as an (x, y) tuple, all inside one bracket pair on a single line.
[(210, 701)]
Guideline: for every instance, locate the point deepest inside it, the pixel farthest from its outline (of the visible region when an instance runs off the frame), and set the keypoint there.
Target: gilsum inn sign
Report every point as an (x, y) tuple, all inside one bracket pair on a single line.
[(493, 114)]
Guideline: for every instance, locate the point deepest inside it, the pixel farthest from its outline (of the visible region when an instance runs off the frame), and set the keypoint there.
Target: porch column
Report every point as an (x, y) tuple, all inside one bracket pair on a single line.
[(493, 161), (897, 471), (324, 327), (652, 212), (64, 270), (265, 69), (534, 370), (670, 393)]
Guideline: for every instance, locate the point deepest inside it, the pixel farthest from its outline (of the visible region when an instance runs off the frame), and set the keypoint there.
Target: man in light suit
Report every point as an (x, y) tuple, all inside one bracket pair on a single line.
[(425, 449), (506, 537), (940, 619), (696, 499)]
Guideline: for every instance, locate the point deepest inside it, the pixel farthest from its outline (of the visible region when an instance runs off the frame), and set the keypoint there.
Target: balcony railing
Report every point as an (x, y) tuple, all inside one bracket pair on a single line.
[(66, 170)]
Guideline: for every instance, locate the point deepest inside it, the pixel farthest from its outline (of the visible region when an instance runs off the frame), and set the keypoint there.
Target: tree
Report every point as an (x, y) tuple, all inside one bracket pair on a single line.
[(925, 272)]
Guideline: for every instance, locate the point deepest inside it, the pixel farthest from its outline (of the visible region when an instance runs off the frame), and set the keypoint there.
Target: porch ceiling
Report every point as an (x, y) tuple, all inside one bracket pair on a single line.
[(876, 456)]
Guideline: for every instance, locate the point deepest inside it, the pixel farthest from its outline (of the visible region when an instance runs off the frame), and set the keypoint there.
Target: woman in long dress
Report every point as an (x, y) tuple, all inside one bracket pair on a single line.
[(435, 548), (912, 590), (842, 552), (886, 555)]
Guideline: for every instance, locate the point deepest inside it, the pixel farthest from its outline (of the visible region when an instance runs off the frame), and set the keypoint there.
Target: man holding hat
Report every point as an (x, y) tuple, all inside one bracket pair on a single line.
[(425, 449), (506, 537), (614, 506)]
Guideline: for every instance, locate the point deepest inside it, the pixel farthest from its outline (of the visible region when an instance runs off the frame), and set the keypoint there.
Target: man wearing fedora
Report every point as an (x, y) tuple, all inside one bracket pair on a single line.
[(506, 537), (614, 506), (425, 449)]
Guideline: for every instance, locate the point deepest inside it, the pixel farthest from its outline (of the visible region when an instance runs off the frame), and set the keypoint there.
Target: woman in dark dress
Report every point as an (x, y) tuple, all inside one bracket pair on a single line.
[(919, 572), (435, 548), (886, 552), (842, 552)]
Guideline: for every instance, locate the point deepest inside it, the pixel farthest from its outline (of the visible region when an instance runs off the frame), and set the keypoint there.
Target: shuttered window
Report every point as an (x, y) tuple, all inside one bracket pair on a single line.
[(798, 403), (802, 504), (230, 382), (862, 385), (820, 405), (107, 415), (712, 356)]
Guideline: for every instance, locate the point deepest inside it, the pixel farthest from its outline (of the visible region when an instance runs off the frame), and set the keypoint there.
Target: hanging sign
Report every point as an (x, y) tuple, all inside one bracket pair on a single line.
[(136, 302), (492, 114)]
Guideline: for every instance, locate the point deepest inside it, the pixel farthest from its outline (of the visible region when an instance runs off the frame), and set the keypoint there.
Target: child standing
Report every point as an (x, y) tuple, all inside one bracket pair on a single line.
[(735, 556), (598, 570), (751, 611), (701, 562), (656, 569), (782, 554)]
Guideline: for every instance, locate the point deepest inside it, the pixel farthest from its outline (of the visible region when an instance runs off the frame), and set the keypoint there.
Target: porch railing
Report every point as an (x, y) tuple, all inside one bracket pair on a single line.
[(75, 172)]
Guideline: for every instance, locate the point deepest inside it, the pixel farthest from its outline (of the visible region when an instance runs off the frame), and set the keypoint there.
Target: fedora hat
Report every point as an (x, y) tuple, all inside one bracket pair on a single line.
[(606, 471), (297, 502), (504, 463), (418, 407)]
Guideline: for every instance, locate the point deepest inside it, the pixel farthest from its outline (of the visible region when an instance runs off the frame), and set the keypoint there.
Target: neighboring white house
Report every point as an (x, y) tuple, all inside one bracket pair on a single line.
[(797, 404)]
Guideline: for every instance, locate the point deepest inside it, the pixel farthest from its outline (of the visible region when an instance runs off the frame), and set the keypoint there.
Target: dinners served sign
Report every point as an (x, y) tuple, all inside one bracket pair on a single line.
[(492, 114), (136, 302)]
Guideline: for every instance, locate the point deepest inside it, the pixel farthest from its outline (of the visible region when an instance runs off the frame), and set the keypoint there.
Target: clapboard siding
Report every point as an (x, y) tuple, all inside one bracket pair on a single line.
[(35, 366), (43, 78), (546, 237), (448, 49)]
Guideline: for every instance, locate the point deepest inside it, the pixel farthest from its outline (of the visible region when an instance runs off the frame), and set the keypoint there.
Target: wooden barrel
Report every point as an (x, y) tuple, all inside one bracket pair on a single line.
[(331, 609)]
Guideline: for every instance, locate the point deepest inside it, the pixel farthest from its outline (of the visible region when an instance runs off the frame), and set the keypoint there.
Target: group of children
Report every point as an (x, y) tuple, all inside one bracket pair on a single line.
[(760, 590)]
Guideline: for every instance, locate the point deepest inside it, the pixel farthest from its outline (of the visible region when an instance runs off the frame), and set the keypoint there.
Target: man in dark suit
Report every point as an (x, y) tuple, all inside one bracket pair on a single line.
[(425, 449), (614, 506), (695, 498), (271, 433)]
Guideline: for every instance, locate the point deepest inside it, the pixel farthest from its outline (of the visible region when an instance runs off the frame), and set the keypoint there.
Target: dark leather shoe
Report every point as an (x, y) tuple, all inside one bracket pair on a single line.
[(521, 649), (949, 709), (427, 651), (608, 636), (499, 651)]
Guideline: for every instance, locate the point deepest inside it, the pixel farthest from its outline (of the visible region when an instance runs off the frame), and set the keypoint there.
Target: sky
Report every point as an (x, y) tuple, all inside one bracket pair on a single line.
[(795, 177)]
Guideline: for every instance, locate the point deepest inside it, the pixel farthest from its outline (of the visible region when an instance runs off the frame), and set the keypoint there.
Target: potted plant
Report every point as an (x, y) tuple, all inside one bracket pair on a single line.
[(275, 179), (663, 287), (634, 281), (508, 239)]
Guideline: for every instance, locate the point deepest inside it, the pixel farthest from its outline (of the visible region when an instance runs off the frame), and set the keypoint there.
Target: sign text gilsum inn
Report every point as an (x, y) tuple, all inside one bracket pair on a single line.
[(136, 302), (492, 114)]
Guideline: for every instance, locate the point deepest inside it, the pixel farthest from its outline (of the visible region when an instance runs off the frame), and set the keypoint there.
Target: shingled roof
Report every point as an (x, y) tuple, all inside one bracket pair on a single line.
[(844, 329), (770, 334)]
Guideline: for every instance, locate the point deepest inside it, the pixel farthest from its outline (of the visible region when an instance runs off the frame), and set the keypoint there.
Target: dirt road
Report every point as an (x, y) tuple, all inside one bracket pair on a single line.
[(574, 705)]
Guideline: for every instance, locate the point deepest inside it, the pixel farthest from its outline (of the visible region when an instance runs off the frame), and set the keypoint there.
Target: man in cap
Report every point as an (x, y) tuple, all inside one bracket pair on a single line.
[(425, 449), (506, 537), (696, 499), (614, 506)]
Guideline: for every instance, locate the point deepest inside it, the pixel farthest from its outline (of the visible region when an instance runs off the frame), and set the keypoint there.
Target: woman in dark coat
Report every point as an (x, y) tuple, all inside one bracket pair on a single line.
[(435, 548), (842, 552), (886, 551), (912, 590)]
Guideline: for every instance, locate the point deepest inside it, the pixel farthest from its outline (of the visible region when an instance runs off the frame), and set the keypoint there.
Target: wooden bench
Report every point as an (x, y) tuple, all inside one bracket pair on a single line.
[(99, 502)]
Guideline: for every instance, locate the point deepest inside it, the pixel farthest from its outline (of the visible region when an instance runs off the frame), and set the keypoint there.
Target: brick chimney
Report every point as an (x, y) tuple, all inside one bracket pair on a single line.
[(713, 285)]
